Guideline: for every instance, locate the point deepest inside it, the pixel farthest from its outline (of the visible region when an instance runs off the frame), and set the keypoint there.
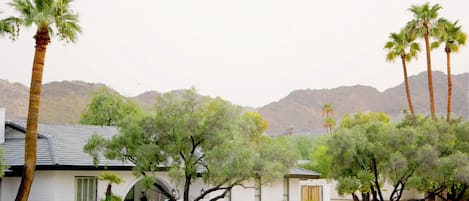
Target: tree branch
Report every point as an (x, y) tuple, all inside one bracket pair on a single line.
[(161, 189), (217, 188)]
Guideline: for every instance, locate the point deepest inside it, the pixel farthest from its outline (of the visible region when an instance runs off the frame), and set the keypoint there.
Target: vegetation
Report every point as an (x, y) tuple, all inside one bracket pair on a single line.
[(451, 35), (402, 45), (426, 24), (9, 26), (366, 150), (423, 25), (43, 14), (327, 111), (111, 178), (3, 166), (108, 109), (195, 133)]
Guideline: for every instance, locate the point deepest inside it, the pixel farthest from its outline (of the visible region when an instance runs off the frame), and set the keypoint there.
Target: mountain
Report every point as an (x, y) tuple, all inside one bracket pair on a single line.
[(300, 111)]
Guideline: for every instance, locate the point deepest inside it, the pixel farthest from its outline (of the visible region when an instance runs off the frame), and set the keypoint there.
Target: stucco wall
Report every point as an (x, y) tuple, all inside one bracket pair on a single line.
[(60, 185)]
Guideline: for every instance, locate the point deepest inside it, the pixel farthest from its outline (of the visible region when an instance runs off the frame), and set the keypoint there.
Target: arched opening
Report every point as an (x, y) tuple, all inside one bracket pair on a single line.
[(138, 192)]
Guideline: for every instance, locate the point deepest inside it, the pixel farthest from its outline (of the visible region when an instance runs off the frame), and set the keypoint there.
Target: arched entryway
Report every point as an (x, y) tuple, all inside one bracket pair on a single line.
[(138, 192)]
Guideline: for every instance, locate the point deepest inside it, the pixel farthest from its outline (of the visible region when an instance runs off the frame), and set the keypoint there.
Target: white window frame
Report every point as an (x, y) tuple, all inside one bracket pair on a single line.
[(90, 184)]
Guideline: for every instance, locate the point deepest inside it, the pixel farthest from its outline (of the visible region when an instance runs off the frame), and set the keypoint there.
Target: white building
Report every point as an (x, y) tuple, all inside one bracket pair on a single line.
[(65, 173)]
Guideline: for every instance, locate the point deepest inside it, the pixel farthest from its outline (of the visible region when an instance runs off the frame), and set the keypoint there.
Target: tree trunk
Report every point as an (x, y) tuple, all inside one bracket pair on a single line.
[(429, 72), (366, 196), (450, 86), (376, 182), (407, 91), (108, 192), (187, 186), (355, 197), (30, 148)]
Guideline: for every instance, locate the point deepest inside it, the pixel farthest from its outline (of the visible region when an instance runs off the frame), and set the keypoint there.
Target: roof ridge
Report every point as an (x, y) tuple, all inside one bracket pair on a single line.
[(52, 153)]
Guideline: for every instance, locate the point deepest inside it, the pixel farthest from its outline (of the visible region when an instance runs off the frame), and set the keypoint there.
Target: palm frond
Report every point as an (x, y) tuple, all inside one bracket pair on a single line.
[(435, 45), (10, 26), (24, 7), (44, 13), (389, 45)]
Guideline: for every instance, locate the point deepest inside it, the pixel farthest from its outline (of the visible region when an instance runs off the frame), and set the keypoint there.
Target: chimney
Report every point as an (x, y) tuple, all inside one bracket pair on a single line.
[(2, 125)]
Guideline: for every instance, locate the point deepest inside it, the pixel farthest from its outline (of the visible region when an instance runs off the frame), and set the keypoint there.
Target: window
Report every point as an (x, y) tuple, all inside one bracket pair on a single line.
[(85, 188), (311, 193)]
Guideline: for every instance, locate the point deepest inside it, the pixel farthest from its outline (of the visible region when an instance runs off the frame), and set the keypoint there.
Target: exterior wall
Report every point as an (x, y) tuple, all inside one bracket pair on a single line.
[(295, 190), (42, 189), (240, 193), (9, 188), (272, 191), (60, 185)]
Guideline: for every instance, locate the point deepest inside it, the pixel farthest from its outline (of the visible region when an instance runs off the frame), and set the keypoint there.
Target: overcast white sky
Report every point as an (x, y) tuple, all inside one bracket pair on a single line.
[(250, 52)]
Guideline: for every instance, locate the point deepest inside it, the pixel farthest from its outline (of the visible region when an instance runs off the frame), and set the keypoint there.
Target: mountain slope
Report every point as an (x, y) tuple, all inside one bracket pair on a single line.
[(63, 102), (301, 109)]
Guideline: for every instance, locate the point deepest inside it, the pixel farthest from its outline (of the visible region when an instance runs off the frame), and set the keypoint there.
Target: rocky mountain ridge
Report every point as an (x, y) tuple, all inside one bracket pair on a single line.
[(63, 102)]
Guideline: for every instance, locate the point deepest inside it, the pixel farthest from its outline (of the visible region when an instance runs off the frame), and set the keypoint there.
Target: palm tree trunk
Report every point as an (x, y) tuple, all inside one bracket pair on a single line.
[(407, 91), (42, 40), (429, 72), (450, 85)]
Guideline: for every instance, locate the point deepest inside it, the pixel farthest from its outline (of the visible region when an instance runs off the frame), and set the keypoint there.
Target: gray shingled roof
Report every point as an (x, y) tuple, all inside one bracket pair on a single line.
[(303, 173), (58, 144), (61, 145)]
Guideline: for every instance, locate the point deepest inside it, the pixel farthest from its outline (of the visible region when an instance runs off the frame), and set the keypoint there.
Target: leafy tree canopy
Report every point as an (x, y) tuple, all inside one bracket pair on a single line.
[(108, 108), (195, 133)]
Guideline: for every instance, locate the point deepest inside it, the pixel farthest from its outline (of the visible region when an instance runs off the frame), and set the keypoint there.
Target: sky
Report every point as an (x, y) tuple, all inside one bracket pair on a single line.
[(250, 52)]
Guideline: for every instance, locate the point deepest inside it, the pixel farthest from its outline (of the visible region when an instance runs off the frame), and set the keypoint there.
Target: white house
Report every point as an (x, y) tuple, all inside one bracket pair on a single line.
[(65, 173)]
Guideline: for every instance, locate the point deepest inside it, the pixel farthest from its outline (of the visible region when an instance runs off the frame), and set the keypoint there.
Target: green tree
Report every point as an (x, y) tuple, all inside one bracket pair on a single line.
[(451, 35), (403, 45), (445, 167), (111, 178), (366, 150), (196, 132), (51, 17), (424, 25), (107, 108)]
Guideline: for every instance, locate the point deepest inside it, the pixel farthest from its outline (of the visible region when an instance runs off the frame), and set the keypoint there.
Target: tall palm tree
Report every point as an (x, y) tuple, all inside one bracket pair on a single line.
[(451, 35), (43, 14), (327, 111), (329, 124), (423, 24), (403, 45)]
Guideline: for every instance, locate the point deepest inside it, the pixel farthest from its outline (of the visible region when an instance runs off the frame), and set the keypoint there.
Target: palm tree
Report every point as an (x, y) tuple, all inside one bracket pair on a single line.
[(329, 123), (327, 111), (402, 45), (111, 178), (423, 24), (43, 14), (451, 35)]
